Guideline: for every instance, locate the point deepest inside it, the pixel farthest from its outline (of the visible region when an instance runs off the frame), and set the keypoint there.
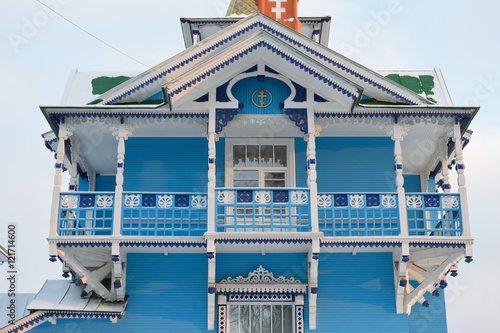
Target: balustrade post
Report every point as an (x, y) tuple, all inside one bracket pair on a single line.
[(211, 171), (59, 167), (444, 168), (457, 137), (311, 170), (120, 168), (398, 159), (73, 170)]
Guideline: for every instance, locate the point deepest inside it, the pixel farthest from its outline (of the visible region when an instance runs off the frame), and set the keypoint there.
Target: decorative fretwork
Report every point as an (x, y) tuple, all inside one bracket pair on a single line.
[(260, 297), (222, 319), (225, 197), (264, 209), (131, 200), (434, 214), (300, 197), (150, 214), (69, 201), (223, 117), (258, 276), (299, 317), (414, 201), (299, 117), (324, 201), (389, 201), (358, 215), (104, 201)]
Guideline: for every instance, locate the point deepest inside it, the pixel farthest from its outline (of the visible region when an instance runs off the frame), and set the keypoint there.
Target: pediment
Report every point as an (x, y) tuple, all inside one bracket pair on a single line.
[(234, 39)]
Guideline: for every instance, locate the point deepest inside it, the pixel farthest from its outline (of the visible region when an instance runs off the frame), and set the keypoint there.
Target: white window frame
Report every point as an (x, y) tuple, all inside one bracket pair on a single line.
[(289, 169)]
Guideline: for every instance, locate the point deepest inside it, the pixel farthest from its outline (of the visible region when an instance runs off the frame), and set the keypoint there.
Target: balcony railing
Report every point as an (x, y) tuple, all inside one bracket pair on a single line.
[(164, 214), (259, 210), (251, 209), (432, 214), (343, 214), (85, 213)]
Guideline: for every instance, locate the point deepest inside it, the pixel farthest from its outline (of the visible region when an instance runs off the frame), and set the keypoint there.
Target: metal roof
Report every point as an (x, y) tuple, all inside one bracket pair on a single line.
[(241, 7)]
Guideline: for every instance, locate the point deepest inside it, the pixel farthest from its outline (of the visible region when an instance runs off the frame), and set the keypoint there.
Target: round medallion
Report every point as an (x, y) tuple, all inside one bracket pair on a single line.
[(262, 98)]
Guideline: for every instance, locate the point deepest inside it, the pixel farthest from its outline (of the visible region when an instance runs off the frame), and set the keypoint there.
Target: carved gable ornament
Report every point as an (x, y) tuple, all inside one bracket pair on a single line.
[(261, 281)]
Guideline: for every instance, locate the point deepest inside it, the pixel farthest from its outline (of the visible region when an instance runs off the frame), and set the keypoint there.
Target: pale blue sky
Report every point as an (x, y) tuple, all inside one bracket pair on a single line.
[(457, 36)]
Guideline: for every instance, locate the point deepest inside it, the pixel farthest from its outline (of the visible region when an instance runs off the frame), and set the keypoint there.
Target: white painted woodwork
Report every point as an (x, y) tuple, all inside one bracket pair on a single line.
[(313, 282), (311, 172), (398, 159), (56, 190), (73, 170), (120, 168), (457, 137), (211, 169), (211, 284)]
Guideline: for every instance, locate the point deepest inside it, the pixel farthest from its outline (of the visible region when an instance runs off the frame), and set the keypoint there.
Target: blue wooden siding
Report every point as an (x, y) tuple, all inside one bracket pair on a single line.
[(286, 264), (356, 294), (431, 319), (412, 183), (220, 172), (166, 164), (104, 183), (244, 89), (166, 294), (355, 164), (83, 184), (300, 162)]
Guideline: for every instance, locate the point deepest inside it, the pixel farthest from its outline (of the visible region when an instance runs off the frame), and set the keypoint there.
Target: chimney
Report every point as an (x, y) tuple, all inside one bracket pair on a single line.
[(283, 11)]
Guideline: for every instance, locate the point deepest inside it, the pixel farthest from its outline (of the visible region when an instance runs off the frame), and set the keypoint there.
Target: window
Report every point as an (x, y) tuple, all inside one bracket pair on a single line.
[(268, 163), (261, 318)]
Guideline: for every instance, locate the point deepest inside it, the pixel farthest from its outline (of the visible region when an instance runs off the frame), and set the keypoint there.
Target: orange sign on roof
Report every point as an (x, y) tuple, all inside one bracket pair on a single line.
[(283, 11)]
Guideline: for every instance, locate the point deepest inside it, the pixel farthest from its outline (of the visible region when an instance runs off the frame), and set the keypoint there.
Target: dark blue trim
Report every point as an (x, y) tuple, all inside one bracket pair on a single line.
[(300, 93), (319, 99), (270, 70), (202, 99), (263, 241), (299, 117), (223, 117), (447, 245), (221, 92), (361, 244)]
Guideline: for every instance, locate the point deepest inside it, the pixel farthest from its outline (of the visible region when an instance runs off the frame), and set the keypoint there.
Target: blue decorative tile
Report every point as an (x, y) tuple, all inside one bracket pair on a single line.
[(340, 200), (181, 200), (244, 196), (372, 200), (87, 200), (149, 200), (280, 196), (431, 201)]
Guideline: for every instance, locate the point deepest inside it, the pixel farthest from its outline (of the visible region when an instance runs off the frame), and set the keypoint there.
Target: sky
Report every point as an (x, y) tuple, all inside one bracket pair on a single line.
[(38, 49)]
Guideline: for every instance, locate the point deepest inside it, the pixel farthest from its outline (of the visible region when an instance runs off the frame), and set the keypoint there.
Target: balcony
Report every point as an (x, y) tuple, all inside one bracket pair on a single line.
[(258, 210)]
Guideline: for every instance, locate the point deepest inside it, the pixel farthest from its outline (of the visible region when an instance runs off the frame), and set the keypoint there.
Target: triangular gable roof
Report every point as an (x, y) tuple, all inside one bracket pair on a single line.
[(263, 48), (150, 82)]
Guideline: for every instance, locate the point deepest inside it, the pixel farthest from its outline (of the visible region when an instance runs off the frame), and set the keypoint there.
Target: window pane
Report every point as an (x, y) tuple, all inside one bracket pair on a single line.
[(277, 317), (244, 174), (288, 318), (239, 156), (244, 319), (252, 155), (246, 183), (266, 156), (255, 319), (280, 158), (233, 319), (274, 183), (275, 175), (266, 318)]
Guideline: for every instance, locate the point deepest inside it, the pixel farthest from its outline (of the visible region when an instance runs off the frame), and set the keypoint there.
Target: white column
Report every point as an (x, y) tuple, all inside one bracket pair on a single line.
[(120, 167), (444, 168), (457, 137), (211, 283), (56, 190), (398, 159), (73, 171), (313, 282), (211, 171), (311, 169)]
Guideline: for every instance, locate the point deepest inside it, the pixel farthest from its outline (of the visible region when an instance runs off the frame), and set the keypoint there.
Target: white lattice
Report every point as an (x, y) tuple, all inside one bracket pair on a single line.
[(299, 316), (165, 201), (132, 200), (69, 201), (357, 201), (222, 319), (324, 201), (199, 201), (225, 197), (414, 201), (299, 197), (262, 197), (260, 275), (104, 201), (389, 201), (450, 201)]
